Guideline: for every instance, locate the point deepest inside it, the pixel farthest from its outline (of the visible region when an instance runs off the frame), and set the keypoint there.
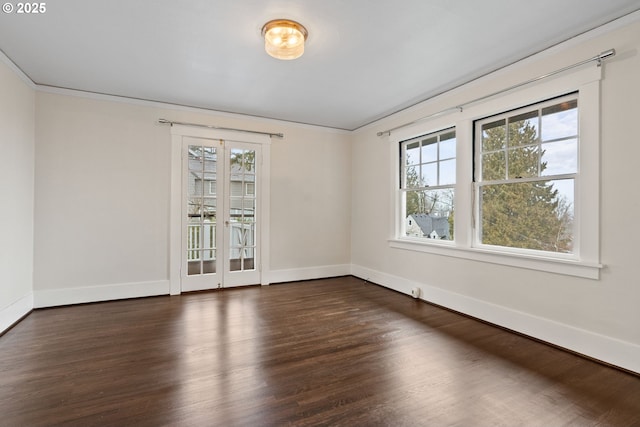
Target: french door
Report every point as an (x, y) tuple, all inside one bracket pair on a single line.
[(220, 213)]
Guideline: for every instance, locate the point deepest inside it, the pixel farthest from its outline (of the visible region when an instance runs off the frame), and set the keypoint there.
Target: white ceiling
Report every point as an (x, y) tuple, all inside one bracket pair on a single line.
[(364, 59)]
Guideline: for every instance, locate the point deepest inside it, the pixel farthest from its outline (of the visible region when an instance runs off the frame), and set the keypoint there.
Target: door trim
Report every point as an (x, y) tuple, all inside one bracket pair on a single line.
[(175, 206)]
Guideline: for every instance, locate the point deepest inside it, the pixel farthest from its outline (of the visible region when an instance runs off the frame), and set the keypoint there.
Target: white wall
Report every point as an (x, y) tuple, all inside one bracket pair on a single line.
[(16, 195), (310, 204), (599, 318), (103, 194), (101, 199)]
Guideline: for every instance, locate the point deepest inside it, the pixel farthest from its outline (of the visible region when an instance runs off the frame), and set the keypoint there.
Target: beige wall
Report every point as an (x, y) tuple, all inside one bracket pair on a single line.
[(310, 199), (103, 194), (16, 195), (571, 311)]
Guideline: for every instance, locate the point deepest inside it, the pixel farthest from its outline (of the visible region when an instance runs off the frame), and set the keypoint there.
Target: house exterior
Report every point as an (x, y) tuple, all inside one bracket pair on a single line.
[(427, 225)]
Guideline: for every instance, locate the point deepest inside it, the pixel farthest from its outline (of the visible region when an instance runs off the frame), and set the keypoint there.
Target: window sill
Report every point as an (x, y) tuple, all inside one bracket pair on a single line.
[(568, 267)]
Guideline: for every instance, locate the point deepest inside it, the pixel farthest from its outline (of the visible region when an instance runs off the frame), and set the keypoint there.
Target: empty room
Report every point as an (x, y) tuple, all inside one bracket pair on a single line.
[(271, 213)]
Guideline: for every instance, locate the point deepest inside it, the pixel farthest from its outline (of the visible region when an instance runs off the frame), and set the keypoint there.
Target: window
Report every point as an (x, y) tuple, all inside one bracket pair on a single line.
[(250, 189), (523, 169), (526, 167), (427, 182)]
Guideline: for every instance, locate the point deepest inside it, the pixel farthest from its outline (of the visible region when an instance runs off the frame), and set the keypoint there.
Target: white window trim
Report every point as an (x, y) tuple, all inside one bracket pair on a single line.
[(403, 189), (586, 261)]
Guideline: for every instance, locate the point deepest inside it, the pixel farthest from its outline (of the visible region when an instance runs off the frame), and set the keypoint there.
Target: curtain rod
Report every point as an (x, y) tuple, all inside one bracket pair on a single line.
[(598, 58), (165, 121)]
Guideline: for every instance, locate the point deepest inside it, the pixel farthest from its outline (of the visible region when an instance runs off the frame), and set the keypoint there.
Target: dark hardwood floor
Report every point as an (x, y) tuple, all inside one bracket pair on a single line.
[(325, 352)]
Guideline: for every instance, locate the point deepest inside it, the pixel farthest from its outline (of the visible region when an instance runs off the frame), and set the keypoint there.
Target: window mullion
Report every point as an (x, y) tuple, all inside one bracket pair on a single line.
[(529, 179)]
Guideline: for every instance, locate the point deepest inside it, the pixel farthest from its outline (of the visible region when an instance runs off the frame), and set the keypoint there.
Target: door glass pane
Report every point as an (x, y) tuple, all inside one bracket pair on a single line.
[(201, 210), (210, 187), (209, 209), (194, 266), (209, 158), (249, 204), (242, 208), (209, 235), (195, 158), (209, 261), (194, 210)]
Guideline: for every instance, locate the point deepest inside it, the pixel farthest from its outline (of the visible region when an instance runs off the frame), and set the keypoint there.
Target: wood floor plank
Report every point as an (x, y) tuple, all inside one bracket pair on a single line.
[(325, 352)]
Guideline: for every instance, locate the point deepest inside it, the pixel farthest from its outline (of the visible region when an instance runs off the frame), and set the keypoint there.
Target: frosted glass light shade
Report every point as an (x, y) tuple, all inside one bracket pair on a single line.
[(284, 39)]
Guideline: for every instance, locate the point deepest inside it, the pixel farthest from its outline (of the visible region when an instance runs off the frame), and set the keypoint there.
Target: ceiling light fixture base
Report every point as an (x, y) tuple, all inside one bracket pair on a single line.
[(284, 38)]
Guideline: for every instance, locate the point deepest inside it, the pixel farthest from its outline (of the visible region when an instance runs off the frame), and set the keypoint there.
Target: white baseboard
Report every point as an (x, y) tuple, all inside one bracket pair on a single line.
[(66, 296), (15, 311), (309, 273), (616, 352)]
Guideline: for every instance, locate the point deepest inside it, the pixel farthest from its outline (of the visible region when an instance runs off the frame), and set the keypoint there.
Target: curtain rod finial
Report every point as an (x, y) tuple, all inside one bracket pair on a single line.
[(607, 53)]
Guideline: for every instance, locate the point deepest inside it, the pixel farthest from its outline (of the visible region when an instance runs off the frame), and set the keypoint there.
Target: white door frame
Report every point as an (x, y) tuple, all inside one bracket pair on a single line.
[(175, 221)]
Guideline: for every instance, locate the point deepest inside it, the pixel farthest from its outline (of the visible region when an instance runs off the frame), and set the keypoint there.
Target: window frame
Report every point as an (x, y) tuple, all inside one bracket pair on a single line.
[(479, 181), (404, 190), (585, 261)]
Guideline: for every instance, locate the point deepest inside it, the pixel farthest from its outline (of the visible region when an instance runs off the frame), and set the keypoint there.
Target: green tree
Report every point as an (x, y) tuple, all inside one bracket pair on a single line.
[(244, 159), (415, 202), (530, 215)]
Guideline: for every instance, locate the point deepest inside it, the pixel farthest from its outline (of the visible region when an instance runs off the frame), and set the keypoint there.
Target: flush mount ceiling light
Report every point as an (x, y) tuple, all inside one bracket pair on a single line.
[(284, 39)]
